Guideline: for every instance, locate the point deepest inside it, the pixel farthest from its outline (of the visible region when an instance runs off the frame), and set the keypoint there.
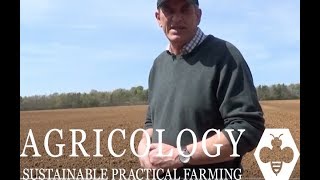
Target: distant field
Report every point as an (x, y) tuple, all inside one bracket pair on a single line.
[(278, 114)]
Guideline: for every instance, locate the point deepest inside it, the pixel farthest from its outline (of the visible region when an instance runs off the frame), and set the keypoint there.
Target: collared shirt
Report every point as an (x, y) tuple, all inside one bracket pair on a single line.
[(195, 41)]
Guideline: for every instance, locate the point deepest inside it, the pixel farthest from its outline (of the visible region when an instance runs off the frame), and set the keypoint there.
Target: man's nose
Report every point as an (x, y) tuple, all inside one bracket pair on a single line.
[(177, 17)]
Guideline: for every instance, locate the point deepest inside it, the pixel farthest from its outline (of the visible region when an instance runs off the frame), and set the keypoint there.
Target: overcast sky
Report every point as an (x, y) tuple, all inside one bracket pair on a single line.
[(77, 45)]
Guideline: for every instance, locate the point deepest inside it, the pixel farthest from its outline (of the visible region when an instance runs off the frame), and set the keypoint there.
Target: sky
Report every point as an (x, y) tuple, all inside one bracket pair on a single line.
[(78, 45)]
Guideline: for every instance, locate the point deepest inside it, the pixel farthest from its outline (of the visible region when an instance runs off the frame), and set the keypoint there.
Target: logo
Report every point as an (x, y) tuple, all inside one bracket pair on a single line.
[(276, 154)]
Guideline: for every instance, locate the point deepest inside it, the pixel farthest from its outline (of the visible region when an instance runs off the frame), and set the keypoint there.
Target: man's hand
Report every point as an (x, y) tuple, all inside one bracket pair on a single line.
[(164, 162), (144, 161)]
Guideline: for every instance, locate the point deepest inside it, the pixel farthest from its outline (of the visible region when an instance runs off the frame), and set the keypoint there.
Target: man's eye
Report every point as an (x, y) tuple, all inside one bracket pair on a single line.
[(186, 10), (167, 11)]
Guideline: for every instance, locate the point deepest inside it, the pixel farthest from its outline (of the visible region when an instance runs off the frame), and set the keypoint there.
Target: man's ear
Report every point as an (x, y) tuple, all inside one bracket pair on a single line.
[(157, 15), (199, 14)]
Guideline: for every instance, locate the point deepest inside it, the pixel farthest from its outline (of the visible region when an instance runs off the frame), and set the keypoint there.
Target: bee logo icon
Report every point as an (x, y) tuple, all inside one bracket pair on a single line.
[(276, 154)]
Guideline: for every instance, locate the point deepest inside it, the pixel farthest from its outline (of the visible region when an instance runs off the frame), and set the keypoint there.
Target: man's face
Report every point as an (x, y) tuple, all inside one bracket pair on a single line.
[(179, 20)]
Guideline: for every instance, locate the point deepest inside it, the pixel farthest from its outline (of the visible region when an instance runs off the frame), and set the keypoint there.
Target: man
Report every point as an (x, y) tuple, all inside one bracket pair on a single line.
[(199, 83)]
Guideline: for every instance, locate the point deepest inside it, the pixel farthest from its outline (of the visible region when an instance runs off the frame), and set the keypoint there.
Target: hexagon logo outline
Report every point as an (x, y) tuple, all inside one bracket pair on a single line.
[(276, 154)]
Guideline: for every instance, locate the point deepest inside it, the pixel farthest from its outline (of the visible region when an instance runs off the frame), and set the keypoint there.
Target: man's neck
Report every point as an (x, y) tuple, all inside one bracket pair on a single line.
[(176, 48)]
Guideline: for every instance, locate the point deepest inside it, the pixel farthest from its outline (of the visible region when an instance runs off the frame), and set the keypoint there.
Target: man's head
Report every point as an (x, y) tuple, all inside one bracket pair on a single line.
[(179, 19), (195, 2)]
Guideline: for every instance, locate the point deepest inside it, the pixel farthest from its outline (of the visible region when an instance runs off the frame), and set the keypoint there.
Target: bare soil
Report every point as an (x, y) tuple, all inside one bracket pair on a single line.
[(278, 114)]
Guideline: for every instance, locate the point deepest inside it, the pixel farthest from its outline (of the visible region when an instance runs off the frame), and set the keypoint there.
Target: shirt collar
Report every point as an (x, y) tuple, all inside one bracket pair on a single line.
[(195, 41)]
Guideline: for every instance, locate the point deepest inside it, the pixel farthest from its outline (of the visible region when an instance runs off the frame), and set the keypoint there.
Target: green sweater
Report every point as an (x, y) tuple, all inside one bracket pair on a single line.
[(211, 87)]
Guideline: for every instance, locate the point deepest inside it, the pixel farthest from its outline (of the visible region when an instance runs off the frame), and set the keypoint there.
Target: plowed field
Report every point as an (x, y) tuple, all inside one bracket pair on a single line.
[(278, 114)]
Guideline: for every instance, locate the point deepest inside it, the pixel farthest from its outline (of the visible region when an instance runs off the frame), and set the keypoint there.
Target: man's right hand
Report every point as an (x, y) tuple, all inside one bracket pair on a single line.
[(142, 147), (144, 160)]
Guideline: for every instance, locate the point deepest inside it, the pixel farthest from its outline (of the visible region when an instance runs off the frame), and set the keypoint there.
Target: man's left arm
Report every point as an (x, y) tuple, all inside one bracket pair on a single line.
[(239, 108)]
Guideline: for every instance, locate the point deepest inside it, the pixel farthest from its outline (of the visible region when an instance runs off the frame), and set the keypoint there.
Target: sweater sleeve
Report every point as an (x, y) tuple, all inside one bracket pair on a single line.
[(239, 105), (148, 121)]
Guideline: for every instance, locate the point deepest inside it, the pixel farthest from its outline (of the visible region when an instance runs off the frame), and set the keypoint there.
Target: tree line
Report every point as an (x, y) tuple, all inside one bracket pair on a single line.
[(278, 92), (134, 96)]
